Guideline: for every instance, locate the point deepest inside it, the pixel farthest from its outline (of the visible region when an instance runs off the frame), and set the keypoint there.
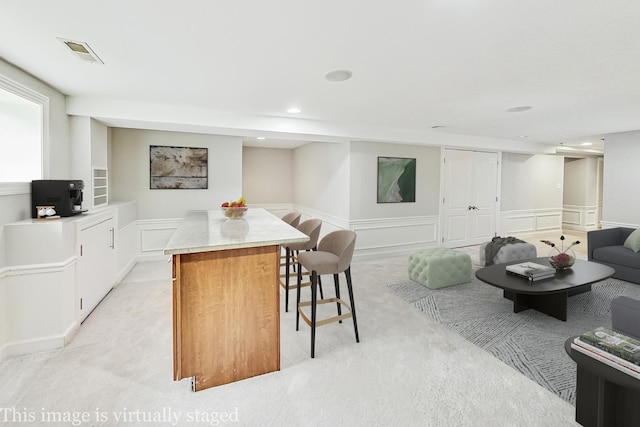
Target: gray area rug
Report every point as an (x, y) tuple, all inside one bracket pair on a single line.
[(529, 341)]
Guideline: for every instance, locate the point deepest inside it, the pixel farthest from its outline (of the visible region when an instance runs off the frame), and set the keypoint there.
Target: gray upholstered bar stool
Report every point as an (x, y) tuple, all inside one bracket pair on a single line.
[(293, 219), (333, 256), (311, 228)]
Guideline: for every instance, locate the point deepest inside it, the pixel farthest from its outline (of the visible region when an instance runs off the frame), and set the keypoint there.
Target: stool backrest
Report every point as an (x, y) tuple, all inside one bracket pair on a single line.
[(311, 228), (292, 218), (340, 243)]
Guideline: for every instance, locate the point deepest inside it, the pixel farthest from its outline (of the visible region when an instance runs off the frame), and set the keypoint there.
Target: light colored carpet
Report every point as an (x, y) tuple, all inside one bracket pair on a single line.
[(407, 370), (529, 341)]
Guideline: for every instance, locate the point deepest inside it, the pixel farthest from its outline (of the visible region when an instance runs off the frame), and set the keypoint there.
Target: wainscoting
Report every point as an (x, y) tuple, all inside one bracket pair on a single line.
[(377, 238), (524, 222), (394, 236), (581, 218)]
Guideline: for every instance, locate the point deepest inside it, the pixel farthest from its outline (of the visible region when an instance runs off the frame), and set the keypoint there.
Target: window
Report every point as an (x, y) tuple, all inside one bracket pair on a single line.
[(22, 120)]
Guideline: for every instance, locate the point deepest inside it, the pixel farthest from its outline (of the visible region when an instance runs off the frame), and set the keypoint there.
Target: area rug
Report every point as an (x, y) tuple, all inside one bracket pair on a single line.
[(530, 342)]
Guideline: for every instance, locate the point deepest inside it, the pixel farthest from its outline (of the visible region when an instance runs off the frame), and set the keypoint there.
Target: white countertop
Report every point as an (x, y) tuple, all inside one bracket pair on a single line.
[(204, 231)]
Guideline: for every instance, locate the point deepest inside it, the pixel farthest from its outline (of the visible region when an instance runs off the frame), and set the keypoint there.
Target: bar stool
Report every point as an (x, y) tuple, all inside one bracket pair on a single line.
[(293, 219), (333, 256), (311, 228)]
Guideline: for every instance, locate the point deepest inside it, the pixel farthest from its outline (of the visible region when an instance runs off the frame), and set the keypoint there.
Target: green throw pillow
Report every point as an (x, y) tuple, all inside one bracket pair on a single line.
[(633, 241)]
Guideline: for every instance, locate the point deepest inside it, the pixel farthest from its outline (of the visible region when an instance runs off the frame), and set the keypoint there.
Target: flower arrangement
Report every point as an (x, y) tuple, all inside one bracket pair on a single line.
[(564, 257)]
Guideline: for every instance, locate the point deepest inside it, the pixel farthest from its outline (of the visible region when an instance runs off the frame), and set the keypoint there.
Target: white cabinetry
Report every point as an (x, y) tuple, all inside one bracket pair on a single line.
[(96, 260)]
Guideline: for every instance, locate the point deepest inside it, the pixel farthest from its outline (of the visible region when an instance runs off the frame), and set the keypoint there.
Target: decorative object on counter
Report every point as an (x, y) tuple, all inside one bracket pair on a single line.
[(46, 212), (235, 209), (561, 258)]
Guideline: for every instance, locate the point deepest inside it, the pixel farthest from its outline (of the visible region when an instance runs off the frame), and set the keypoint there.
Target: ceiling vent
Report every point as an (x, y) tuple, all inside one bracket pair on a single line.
[(82, 51)]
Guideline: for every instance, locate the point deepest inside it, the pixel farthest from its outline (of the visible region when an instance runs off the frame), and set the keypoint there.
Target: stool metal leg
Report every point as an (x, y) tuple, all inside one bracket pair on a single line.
[(286, 279), (298, 297), (347, 273), (336, 282), (314, 282)]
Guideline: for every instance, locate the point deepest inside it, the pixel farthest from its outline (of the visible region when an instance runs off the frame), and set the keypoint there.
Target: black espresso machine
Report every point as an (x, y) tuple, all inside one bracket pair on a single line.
[(65, 196)]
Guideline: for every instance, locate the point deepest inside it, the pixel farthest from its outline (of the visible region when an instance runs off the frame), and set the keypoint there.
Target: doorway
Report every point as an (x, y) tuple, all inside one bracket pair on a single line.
[(470, 197)]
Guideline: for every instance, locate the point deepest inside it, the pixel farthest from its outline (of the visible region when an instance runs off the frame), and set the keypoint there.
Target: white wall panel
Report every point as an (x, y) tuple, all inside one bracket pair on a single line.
[(529, 222), (389, 237)]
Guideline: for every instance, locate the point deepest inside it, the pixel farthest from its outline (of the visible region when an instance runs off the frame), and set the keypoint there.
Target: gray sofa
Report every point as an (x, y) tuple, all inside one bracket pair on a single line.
[(606, 247)]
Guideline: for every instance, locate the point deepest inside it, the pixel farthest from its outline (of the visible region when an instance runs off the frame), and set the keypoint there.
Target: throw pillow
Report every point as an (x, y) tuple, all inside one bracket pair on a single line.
[(633, 241)]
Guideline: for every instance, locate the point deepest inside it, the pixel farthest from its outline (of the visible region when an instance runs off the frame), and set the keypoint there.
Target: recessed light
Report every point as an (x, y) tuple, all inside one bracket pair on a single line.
[(519, 109), (338, 75), (260, 138), (293, 110), (522, 136), (586, 144)]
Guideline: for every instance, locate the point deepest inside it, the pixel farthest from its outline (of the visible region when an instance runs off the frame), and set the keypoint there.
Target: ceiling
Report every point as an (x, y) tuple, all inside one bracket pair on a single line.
[(423, 71)]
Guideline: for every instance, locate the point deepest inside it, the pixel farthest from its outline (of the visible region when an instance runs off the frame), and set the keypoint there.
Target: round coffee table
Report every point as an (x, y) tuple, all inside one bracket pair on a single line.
[(550, 295)]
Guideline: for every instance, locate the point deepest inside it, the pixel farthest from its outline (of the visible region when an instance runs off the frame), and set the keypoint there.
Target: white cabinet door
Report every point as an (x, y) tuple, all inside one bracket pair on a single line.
[(470, 190), (96, 264)]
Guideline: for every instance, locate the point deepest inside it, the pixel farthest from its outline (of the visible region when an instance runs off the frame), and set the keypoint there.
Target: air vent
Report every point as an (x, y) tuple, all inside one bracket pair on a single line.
[(82, 51)]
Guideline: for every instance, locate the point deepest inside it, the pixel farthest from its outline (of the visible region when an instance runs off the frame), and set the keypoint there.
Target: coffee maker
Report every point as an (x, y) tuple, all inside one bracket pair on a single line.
[(65, 196)]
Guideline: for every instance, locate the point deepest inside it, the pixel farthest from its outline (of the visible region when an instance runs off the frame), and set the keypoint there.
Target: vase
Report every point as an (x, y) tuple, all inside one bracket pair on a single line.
[(562, 260)]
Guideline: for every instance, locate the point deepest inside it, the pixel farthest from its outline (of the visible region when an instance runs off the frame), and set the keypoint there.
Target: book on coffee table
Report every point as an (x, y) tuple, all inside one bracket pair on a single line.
[(612, 348), (531, 270)]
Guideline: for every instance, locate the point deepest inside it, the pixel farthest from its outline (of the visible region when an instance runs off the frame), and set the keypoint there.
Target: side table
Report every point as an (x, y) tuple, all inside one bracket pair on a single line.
[(605, 396)]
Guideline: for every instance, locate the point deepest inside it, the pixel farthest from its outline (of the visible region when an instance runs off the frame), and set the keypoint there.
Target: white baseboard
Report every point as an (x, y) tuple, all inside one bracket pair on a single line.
[(124, 272), (39, 344)]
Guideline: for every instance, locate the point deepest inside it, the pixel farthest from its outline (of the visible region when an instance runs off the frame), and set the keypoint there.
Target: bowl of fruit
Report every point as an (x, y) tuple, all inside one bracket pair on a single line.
[(235, 209)]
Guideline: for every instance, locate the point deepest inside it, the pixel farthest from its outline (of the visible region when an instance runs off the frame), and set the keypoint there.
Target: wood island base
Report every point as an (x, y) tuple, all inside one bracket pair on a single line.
[(226, 324)]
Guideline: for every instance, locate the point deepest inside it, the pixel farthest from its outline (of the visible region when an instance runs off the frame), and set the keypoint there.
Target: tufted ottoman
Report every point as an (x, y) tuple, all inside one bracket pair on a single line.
[(510, 252), (439, 267)]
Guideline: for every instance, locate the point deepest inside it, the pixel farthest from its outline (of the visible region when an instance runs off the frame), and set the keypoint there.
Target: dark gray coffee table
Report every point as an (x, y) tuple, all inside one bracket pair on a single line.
[(548, 296)]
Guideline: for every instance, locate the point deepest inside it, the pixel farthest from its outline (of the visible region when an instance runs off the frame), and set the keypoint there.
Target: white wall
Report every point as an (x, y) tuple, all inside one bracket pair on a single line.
[(531, 181), (364, 174), (321, 183), (580, 181), (580, 196), (621, 204), (531, 193), (267, 175), (130, 172), (16, 207)]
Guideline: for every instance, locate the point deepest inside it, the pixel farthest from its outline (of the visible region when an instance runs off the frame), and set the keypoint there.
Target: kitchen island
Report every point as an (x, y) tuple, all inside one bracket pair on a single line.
[(226, 303)]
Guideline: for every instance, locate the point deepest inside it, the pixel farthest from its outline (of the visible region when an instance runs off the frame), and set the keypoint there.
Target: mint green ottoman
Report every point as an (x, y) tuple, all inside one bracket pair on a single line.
[(439, 267)]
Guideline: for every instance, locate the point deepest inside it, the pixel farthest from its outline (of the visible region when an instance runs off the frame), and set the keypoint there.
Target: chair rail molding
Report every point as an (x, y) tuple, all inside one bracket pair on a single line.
[(613, 224), (14, 188)]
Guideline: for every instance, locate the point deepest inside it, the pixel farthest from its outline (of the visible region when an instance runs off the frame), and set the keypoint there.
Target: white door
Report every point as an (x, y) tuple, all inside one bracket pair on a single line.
[(469, 197)]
